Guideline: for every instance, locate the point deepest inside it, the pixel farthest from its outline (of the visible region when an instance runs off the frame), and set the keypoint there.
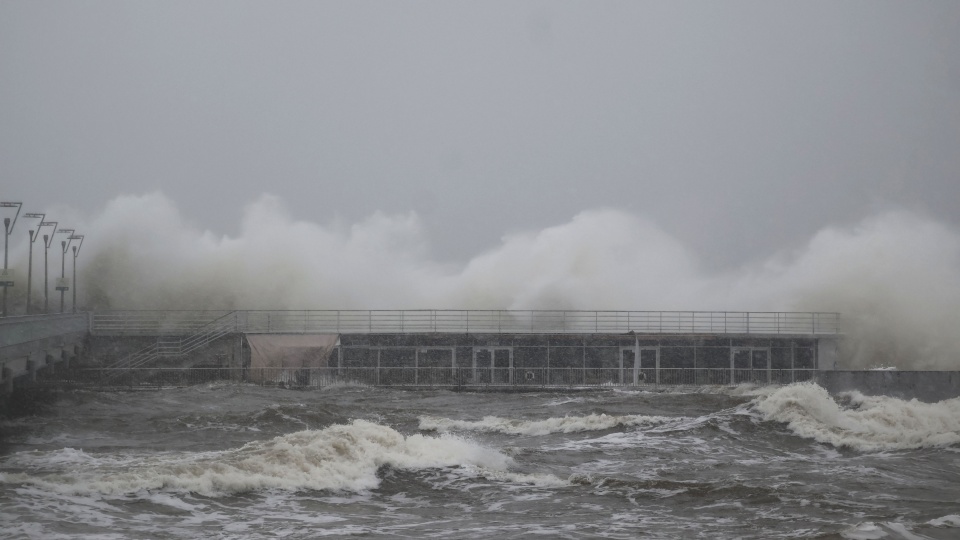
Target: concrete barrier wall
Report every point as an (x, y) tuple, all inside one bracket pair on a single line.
[(20, 330), (38, 342), (928, 386)]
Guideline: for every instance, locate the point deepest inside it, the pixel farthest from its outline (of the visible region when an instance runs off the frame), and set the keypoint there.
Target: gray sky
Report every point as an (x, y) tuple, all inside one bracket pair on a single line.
[(741, 128)]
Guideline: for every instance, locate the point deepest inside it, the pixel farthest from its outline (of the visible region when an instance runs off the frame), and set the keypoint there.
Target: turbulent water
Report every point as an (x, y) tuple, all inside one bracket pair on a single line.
[(249, 462)]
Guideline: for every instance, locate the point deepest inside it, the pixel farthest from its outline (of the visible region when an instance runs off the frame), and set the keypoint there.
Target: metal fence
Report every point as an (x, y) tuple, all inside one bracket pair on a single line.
[(408, 377), (468, 321)]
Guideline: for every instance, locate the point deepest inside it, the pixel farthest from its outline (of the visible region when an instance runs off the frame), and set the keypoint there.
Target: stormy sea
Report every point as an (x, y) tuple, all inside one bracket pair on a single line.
[(242, 461)]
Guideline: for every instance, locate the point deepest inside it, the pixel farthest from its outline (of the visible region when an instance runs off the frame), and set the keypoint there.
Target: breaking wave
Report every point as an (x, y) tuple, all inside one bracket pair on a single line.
[(864, 423), (343, 457), (565, 424)]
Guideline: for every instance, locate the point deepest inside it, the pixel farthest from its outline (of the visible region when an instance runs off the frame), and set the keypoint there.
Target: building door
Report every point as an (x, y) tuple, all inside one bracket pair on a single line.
[(750, 365), (647, 370), (628, 360), (493, 365)]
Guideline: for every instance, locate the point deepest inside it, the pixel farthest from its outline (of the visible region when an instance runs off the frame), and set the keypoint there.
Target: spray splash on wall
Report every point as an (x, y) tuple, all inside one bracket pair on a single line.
[(895, 277)]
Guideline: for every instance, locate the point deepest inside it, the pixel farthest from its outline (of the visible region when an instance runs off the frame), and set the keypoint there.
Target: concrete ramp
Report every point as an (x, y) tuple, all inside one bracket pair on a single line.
[(275, 356)]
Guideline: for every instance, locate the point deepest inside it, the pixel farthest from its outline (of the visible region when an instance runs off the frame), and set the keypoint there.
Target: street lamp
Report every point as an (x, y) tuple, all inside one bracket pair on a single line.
[(6, 278), (76, 250), (33, 238), (47, 242), (62, 285)]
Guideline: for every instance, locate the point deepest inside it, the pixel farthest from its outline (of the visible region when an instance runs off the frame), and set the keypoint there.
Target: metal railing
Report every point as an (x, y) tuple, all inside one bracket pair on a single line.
[(177, 346), (211, 331), (434, 377), (470, 321), (152, 322)]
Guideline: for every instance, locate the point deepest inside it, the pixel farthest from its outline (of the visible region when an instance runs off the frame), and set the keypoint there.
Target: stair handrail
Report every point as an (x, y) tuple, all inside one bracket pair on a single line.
[(205, 334), (211, 331)]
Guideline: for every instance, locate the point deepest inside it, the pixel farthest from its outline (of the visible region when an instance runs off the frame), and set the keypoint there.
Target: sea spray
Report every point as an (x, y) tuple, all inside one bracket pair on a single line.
[(865, 423), (894, 276)]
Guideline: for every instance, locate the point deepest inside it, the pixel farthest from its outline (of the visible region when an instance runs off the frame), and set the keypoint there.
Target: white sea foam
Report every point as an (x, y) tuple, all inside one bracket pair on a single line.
[(868, 530), (953, 520), (66, 458), (518, 479), (864, 531), (340, 457), (564, 424), (868, 423)]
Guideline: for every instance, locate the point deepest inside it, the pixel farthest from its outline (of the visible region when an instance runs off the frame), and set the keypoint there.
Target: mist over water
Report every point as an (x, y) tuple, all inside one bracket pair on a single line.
[(895, 277)]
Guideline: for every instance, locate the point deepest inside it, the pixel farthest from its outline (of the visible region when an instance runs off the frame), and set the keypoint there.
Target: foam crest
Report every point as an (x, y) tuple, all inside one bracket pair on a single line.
[(868, 423), (340, 458), (65, 457), (565, 424), (953, 520)]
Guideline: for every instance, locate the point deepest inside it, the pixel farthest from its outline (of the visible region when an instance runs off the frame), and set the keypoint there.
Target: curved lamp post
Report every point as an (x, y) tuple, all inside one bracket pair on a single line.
[(62, 285), (6, 280), (33, 238), (76, 251), (47, 242)]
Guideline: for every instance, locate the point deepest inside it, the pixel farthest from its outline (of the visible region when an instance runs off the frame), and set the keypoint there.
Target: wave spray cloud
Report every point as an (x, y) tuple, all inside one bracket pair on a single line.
[(894, 277)]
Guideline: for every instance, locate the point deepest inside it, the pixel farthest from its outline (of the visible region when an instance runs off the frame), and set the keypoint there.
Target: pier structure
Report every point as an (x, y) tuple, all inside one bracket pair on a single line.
[(458, 349), (472, 348)]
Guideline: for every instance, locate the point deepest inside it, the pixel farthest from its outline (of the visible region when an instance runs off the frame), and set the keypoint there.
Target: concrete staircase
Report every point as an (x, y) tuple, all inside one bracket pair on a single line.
[(175, 346)]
